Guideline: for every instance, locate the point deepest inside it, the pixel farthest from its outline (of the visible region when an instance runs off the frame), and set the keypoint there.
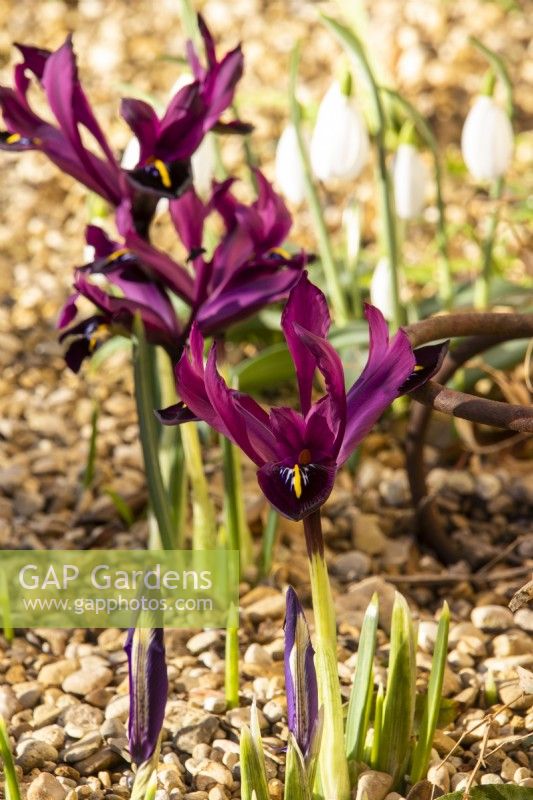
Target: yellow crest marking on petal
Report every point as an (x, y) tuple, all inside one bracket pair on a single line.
[(164, 174), (297, 481), (418, 367), (14, 138), (118, 254), (280, 251), (98, 334)]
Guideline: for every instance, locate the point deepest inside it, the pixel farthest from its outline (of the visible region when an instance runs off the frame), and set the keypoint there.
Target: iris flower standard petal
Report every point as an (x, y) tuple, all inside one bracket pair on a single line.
[(167, 143), (300, 675), (299, 453), (58, 76), (148, 687)]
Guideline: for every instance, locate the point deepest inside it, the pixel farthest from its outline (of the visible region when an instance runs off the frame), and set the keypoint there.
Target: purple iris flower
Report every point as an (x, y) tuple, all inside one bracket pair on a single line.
[(298, 453), (58, 75), (141, 293), (300, 676), (167, 143), (148, 686)]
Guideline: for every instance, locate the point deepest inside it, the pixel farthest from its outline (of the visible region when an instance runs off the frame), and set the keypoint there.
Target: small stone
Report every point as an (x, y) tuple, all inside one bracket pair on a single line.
[(32, 754), (527, 782), (51, 734), (203, 641), (460, 781), (213, 772), (217, 793), (521, 774), (82, 681), (91, 743), (524, 619), (28, 693), (512, 695), (487, 486), (237, 717), (112, 728), (395, 490), (270, 607), (215, 703), (80, 719), (512, 644), (427, 634), (439, 776), (9, 703), (103, 759), (492, 618), (508, 769), (190, 726), (367, 535), (118, 708), (373, 785), (273, 711), (351, 566), (46, 787), (256, 654), (489, 778)]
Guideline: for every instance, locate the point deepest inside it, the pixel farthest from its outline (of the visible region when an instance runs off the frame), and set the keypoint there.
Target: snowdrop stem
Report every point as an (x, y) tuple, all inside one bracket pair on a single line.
[(482, 287), (190, 22), (500, 70), (355, 48), (444, 273), (336, 294)]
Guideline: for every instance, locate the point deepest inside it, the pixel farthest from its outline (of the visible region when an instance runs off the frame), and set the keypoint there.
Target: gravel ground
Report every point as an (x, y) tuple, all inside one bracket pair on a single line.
[(65, 692)]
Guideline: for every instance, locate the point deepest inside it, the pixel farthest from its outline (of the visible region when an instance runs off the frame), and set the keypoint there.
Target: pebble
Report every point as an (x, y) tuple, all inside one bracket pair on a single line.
[(256, 654), (427, 634), (367, 535), (487, 486), (213, 772), (81, 718), (9, 703), (521, 774), (508, 769), (273, 711), (118, 708), (215, 703), (83, 748), (269, 607), (51, 734), (46, 787), (83, 681), (351, 566), (32, 754), (460, 781), (512, 644), (237, 717), (489, 778), (28, 693), (439, 776), (524, 619), (190, 726), (373, 785), (203, 641), (492, 618)]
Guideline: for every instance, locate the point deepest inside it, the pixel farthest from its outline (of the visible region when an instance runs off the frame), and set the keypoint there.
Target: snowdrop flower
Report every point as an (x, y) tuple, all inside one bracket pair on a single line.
[(410, 178), (487, 140), (289, 171), (380, 288), (339, 145), (203, 163)]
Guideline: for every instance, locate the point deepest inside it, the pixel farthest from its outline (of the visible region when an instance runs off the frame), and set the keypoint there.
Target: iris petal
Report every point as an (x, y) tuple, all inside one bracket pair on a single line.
[(277, 483)]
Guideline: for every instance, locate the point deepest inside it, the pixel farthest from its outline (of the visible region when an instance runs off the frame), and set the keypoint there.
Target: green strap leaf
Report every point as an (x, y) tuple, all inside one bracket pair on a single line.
[(11, 787), (150, 436), (357, 720)]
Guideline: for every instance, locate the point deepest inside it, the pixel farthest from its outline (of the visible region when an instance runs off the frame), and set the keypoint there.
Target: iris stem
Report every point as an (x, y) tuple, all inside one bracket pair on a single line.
[(336, 294), (204, 524), (482, 287), (388, 218), (333, 765), (231, 680)]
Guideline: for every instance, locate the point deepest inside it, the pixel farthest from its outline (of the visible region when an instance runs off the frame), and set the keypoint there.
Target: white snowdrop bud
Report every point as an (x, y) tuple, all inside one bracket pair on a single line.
[(130, 156), (487, 140), (380, 288), (204, 162), (410, 178), (339, 145), (289, 171)]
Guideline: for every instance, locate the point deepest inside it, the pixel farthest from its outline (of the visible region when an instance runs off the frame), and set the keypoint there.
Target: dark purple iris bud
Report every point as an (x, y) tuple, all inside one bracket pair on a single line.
[(148, 687), (167, 143), (300, 676), (57, 74), (298, 453)]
